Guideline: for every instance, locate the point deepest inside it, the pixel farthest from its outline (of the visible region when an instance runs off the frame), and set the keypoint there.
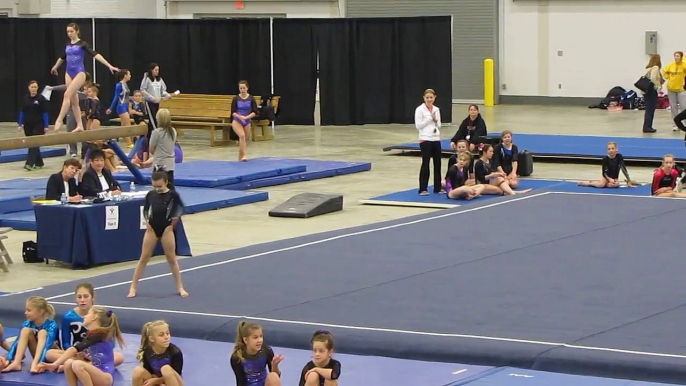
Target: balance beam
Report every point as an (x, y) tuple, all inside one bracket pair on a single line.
[(104, 134)]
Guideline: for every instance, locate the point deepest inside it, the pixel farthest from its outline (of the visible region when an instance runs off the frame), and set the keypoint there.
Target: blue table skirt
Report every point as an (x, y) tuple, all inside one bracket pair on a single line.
[(77, 235)]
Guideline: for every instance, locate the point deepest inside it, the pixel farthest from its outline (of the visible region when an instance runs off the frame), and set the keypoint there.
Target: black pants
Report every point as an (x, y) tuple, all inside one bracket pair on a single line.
[(34, 157), (430, 150), (153, 108), (170, 178), (679, 120), (651, 104)]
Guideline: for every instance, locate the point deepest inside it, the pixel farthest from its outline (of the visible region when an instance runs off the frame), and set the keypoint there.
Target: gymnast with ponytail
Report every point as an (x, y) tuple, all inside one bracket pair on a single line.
[(253, 362), (161, 361), (75, 75), (103, 334)]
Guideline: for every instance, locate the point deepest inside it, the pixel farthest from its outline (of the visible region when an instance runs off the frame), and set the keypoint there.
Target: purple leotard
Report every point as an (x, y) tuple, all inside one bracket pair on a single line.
[(243, 107), (100, 349), (74, 55)]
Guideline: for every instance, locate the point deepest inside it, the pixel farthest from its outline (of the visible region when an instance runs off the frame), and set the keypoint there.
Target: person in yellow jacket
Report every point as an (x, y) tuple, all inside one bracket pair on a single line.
[(675, 75)]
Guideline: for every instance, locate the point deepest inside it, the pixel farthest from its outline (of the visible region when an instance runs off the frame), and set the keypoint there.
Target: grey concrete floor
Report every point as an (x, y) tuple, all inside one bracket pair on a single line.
[(249, 224)]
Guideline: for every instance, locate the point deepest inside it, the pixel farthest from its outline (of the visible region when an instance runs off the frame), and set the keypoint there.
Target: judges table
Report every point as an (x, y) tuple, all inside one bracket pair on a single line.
[(87, 235)]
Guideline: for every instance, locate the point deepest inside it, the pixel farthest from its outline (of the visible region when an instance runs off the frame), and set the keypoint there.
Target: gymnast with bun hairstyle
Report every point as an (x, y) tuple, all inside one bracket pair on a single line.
[(494, 182), (75, 74), (322, 370), (253, 362)]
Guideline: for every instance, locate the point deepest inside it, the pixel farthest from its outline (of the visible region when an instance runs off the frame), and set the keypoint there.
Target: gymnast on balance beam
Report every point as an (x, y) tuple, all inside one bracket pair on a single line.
[(75, 74)]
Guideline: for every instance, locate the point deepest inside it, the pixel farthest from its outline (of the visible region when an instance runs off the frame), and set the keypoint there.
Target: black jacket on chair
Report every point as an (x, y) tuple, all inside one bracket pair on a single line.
[(90, 183), (55, 187)]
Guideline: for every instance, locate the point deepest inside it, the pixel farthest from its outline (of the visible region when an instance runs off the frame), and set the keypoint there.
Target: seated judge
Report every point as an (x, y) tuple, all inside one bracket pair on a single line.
[(97, 178), (64, 181)]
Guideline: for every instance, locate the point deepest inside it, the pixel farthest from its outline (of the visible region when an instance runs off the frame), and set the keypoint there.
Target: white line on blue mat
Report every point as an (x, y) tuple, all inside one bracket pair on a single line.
[(328, 239), (615, 195), (21, 292), (390, 330)]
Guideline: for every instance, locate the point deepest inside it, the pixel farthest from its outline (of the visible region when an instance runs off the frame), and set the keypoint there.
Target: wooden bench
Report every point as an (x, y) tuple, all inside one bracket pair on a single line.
[(201, 115), (186, 107)]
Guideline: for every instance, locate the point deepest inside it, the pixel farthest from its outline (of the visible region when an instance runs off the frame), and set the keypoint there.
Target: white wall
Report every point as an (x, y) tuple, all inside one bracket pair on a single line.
[(602, 44), (294, 9), (95, 8)]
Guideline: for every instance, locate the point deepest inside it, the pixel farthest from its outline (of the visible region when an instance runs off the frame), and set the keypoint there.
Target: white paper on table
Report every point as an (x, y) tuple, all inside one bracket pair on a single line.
[(111, 217), (144, 223), (47, 93)]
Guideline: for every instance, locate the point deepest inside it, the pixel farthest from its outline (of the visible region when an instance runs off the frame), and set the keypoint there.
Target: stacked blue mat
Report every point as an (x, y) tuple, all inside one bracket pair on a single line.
[(203, 185), (17, 155), (411, 198), (583, 146), (253, 174)]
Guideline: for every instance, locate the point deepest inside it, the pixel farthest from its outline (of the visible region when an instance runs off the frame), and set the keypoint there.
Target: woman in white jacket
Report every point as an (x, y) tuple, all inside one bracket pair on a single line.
[(427, 120)]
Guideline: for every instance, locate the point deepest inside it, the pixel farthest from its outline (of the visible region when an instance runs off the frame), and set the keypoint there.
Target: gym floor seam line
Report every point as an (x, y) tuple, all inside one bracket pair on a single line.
[(316, 242), (470, 262)]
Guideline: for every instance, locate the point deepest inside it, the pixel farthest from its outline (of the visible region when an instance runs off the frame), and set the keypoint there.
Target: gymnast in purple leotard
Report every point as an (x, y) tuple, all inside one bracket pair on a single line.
[(75, 75), (243, 110), (98, 346)]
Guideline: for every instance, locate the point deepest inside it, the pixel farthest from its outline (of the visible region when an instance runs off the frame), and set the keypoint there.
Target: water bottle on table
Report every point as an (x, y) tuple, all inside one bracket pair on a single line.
[(132, 187), (64, 199)]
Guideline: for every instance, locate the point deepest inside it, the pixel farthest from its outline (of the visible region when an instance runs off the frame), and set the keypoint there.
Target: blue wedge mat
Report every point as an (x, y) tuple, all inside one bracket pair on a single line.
[(578, 146), (21, 154), (210, 174), (410, 197), (205, 362), (21, 221), (509, 376), (24, 183), (18, 200), (203, 199), (316, 169)]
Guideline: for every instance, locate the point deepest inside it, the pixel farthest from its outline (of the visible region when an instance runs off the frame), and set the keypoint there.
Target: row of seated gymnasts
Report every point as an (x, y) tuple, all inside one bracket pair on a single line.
[(494, 172), (83, 347), (668, 179)]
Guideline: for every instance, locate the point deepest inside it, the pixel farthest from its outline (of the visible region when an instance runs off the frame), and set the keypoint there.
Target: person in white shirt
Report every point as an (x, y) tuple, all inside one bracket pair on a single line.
[(427, 120)]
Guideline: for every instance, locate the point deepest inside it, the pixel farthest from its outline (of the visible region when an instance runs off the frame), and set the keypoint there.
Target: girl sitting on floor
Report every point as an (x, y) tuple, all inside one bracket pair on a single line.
[(612, 164), (103, 334), (253, 362), (506, 159), (458, 175), (665, 179), (72, 328), (38, 334), (161, 361), (494, 182), (322, 370)]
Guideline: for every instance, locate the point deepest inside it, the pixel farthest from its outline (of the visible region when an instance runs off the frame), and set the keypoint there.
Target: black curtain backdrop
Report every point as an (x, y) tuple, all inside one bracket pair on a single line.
[(376, 70), (195, 56), (30, 48), (295, 70)]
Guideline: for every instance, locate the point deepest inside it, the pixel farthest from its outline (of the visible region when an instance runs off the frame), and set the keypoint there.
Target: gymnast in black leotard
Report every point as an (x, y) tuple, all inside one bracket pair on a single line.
[(456, 180), (613, 163), (162, 210), (494, 182)]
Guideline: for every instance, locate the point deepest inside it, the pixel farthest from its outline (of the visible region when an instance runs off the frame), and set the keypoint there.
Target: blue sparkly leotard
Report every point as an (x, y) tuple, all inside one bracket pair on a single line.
[(243, 107), (74, 55), (53, 331), (120, 102)]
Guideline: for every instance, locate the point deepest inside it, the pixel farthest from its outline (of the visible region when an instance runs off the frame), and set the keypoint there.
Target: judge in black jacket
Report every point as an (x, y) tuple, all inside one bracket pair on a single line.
[(98, 178), (472, 129), (33, 120), (64, 181)]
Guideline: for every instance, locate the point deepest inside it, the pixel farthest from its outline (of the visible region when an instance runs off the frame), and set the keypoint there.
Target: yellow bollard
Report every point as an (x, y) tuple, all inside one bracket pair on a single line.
[(489, 83)]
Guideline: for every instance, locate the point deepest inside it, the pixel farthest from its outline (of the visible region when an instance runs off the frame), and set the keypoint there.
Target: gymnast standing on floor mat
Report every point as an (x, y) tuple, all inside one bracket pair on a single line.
[(322, 370), (665, 180), (253, 362), (427, 120), (162, 210), (103, 334), (613, 163), (161, 361), (494, 182), (73, 330), (75, 74)]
